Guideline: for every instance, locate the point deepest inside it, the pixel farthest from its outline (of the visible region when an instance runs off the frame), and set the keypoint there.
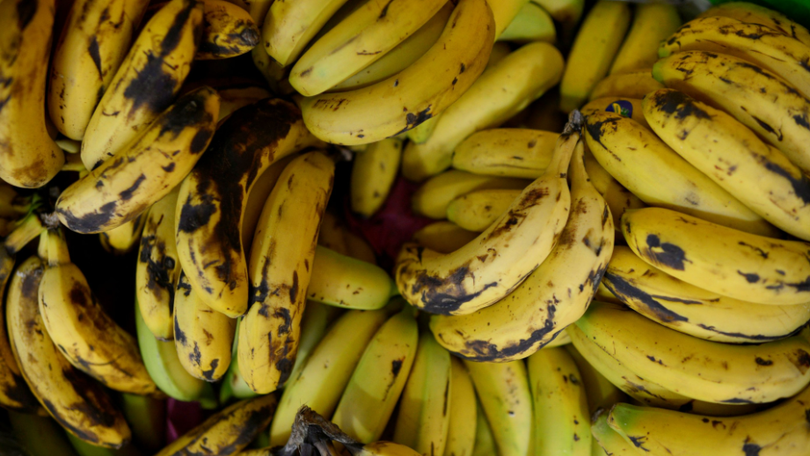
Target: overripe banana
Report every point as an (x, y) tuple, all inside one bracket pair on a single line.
[(755, 14), (652, 23), (532, 23), (477, 210), (463, 411), (434, 195), (342, 281), (228, 31), (443, 236), (373, 174), (507, 152), (121, 240), (625, 85)]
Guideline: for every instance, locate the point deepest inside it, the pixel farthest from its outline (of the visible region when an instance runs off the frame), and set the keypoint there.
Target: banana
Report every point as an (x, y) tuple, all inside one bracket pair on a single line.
[(316, 321), (145, 170), (646, 166), (652, 23), (342, 281), (403, 101), (561, 339), (146, 81), (36, 436), (443, 236), (722, 373), (566, 12), (618, 198), (373, 174), (434, 195), (421, 133), (157, 268), (754, 14), (258, 195), (780, 430), (508, 152), (532, 23), (694, 311), (228, 431), (28, 156), (726, 261), (212, 199), (279, 270), (147, 420), (238, 96), (94, 42), (383, 448), (608, 441), (596, 44), (378, 380), (552, 297), (25, 230), (626, 85), (422, 422), (463, 412), (76, 402), (500, 93), (228, 31), (504, 12), (599, 391), (484, 440), (272, 72), (627, 107), (202, 336), (758, 44), (328, 370), (561, 423), (758, 175), (757, 98), (121, 240), (359, 40), (477, 210), (499, 259), (503, 389)]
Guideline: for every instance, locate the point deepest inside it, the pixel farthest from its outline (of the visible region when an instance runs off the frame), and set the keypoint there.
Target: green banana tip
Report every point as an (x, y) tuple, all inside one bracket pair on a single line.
[(657, 71)]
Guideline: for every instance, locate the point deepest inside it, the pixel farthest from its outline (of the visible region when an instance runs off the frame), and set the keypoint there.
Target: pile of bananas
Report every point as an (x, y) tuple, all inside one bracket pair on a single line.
[(631, 279)]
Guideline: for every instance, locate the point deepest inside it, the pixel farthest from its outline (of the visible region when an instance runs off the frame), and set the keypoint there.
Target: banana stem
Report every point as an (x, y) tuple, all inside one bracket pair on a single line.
[(326, 448), (57, 248), (29, 228)]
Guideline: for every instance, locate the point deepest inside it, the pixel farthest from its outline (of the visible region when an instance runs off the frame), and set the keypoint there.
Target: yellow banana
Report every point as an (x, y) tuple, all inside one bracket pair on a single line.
[(432, 197), (618, 198), (501, 92), (652, 23), (228, 31), (504, 12), (342, 281), (754, 14), (146, 81), (599, 391), (28, 156), (463, 412), (75, 401), (484, 440), (627, 107), (316, 321), (477, 210), (272, 72), (608, 441), (532, 23), (596, 45), (443, 236), (403, 101), (144, 171), (212, 199), (552, 297), (499, 259), (258, 195), (508, 152), (94, 42), (373, 174), (121, 240), (626, 85)]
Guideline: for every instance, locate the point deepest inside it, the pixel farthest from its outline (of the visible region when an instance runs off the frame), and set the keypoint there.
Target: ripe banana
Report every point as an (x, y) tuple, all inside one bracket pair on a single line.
[(722, 373), (317, 319), (228, 31), (373, 174), (463, 412), (121, 240), (652, 23), (203, 337), (627, 107), (501, 92), (733, 156), (484, 440), (508, 152), (599, 391), (561, 419), (422, 422), (532, 23), (504, 12), (212, 199), (760, 45), (646, 166), (503, 389), (694, 311), (75, 401), (279, 269), (552, 297), (757, 98), (146, 81), (434, 195), (28, 156), (342, 281), (596, 45), (258, 195), (272, 72), (378, 380), (443, 236), (499, 259), (403, 101), (144, 171), (618, 198), (477, 210), (754, 14), (634, 84), (608, 441)]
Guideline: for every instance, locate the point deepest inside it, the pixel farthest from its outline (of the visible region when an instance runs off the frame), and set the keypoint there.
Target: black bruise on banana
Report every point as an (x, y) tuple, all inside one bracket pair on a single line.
[(626, 292), (667, 254), (90, 222), (219, 46), (157, 271), (244, 430)]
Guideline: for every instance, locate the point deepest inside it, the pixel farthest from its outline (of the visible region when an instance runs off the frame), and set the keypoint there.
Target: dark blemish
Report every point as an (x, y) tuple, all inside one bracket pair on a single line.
[(767, 127), (385, 10), (463, 69), (151, 87), (187, 111), (445, 296), (209, 374), (638, 442), (127, 194), (576, 437), (679, 104), (194, 216), (737, 401), (485, 351), (671, 255), (413, 120), (446, 397), (396, 365), (284, 366), (26, 9), (625, 291), (751, 278), (759, 251), (751, 449), (763, 362), (95, 55), (195, 356), (92, 222), (283, 314), (801, 120), (294, 288), (801, 186), (168, 168)]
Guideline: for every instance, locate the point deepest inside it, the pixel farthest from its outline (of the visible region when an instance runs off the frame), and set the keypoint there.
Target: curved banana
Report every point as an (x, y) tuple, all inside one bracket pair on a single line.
[(443, 236), (758, 175), (508, 152), (403, 101), (203, 337), (759, 99), (627, 107), (95, 39), (434, 195), (626, 85), (596, 44), (561, 423), (499, 259), (76, 402), (144, 171), (272, 72), (28, 156), (228, 31), (373, 174), (532, 23), (368, 401), (342, 281), (279, 269), (694, 311), (477, 210), (501, 92), (609, 441), (212, 200), (754, 14), (552, 297), (504, 12), (463, 411), (652, 23), (121, 240), (618, 198), (599, 391), (262, 187), (722, 373), (317, 320)]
